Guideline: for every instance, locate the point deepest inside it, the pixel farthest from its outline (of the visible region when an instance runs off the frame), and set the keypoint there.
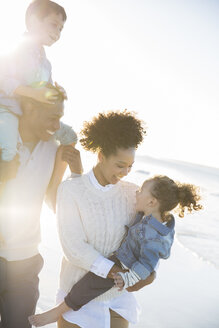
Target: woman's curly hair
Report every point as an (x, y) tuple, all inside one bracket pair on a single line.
[(112, 130), (171, 195)]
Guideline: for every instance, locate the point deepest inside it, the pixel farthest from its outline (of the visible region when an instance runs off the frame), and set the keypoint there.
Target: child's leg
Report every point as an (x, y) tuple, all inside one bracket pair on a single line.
[(8, 146), (48, 317), (8, 135), (86, 289)]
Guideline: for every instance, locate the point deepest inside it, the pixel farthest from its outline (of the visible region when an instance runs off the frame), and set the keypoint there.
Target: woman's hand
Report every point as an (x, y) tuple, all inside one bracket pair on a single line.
[(142, 283), (114, 270), (119, 282)]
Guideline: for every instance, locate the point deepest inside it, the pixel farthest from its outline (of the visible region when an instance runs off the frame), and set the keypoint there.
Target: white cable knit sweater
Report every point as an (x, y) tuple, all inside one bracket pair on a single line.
[(91, 223)]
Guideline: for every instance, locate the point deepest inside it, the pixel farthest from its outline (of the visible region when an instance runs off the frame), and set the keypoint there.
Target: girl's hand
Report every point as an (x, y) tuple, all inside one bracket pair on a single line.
[(118, 281), (61, 90)]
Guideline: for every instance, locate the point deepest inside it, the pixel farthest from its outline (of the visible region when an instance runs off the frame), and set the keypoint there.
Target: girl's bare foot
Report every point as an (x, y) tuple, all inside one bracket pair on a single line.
[(47, 317)]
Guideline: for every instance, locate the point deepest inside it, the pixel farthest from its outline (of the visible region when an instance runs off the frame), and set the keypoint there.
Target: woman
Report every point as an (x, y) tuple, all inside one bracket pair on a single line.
[(93, 210)]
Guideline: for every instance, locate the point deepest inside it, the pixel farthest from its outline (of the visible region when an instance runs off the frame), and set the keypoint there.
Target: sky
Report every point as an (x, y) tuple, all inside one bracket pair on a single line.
[(157, 58)]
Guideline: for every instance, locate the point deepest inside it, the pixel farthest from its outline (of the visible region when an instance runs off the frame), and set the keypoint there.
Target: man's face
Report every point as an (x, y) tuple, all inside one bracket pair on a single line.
[(46, 120)]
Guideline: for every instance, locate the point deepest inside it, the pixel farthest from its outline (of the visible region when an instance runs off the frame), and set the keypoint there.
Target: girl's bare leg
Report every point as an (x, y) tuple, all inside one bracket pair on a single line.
[(50, 316)]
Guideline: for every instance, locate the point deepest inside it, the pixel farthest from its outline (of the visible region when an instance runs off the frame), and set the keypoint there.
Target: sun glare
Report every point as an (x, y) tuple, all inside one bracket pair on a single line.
[(11, 24)]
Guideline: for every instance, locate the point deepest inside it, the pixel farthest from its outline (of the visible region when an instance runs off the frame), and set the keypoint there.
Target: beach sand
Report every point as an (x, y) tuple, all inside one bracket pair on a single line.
[(184, 294)]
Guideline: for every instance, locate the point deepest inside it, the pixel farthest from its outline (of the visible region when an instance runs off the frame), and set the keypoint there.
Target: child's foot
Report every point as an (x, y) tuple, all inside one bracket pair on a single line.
[(45, 318)]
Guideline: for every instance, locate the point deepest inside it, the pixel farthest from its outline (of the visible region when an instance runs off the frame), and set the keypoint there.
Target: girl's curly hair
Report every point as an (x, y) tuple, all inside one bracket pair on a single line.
[(171, 194), (112, 130)]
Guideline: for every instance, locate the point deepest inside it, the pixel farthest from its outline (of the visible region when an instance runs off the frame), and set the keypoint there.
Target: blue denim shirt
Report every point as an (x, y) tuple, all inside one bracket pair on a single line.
[(146, 242), (26, 65)]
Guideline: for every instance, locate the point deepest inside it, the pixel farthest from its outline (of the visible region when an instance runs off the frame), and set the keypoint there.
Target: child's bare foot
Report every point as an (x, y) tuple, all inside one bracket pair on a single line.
[(45, 318), (50, 316)]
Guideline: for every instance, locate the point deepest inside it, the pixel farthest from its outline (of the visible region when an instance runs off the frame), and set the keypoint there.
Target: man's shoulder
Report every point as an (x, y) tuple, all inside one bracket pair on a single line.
[(50, 144), (46, 151)]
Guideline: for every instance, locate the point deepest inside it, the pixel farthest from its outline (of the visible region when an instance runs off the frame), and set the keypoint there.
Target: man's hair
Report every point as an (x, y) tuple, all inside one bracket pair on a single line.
[(43, 8)]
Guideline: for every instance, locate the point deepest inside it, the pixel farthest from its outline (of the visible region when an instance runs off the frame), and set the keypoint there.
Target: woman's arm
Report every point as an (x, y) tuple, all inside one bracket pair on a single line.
[(142, 283), (73, 239)]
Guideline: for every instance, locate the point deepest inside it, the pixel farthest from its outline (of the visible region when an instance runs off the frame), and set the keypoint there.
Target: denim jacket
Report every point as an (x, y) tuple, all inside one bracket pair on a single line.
[(146, 242)]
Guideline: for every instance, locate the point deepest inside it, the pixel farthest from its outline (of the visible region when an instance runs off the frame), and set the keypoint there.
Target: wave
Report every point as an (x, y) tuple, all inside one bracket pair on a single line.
[(206, 249), (142, 172), (214, 194)]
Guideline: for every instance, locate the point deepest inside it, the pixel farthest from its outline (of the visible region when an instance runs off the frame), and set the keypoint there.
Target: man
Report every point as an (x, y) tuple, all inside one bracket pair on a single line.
[(41, 167)]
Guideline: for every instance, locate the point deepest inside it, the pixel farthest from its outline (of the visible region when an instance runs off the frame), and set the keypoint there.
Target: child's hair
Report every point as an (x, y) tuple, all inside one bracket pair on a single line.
[(112, 130), (171, 194), (42, 8)]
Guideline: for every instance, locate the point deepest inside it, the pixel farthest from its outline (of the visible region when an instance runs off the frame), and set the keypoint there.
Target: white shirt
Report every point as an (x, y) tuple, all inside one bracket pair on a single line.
[(21, 201), (95, 313)]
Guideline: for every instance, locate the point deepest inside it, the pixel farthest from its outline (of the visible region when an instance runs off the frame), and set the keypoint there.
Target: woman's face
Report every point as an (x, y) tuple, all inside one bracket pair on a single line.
[(116, 166)]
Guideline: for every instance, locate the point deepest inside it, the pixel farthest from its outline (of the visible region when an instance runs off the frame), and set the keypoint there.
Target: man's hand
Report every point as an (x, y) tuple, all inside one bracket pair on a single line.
[(72, 156), (142, 283)]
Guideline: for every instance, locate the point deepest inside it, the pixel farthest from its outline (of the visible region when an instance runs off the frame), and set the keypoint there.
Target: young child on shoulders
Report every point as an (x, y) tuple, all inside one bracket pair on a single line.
[(149, 238), (25, 73)]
